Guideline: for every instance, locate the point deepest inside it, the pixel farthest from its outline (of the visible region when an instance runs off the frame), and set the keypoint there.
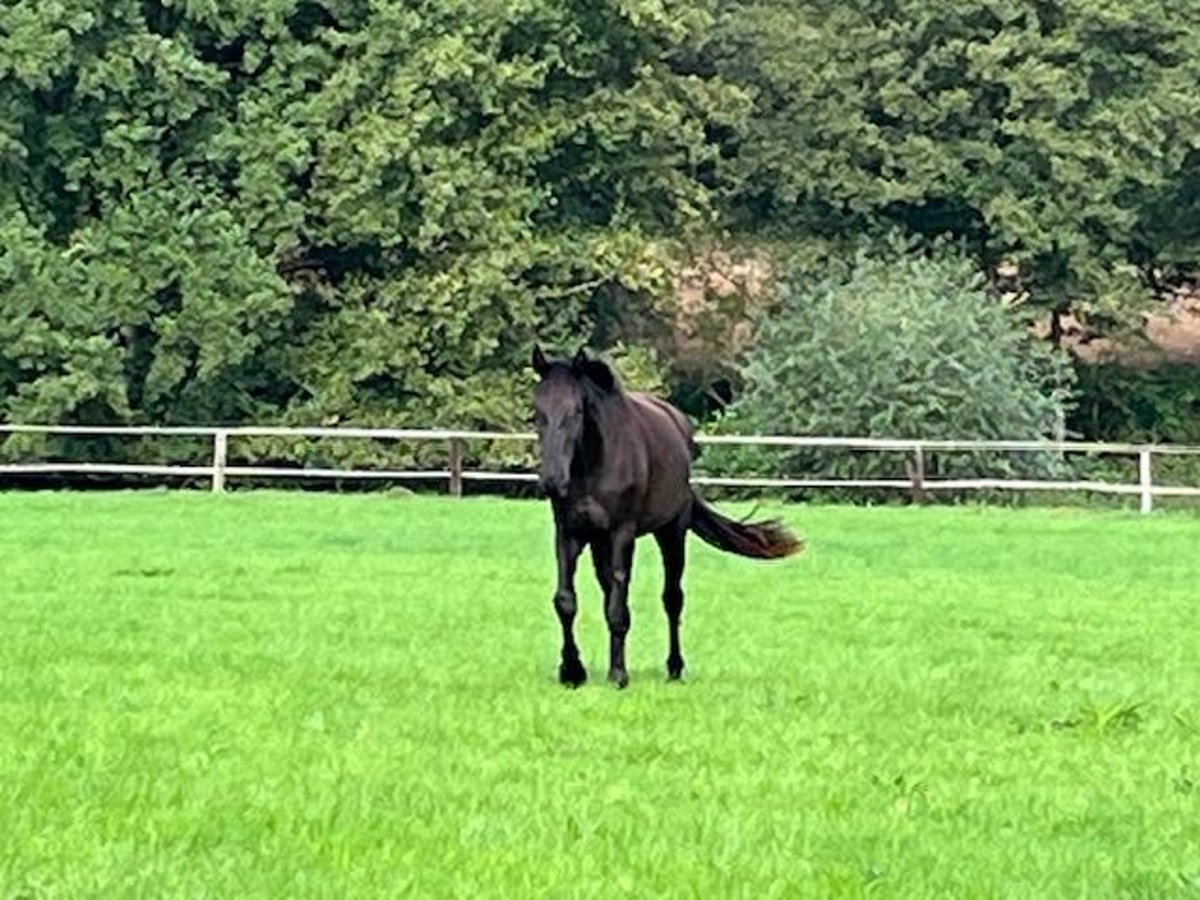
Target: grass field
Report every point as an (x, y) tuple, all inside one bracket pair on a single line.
[(285, 695)]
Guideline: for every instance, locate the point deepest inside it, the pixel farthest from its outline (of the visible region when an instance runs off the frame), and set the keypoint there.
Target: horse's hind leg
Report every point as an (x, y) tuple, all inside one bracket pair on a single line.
[(672, 541), (570, 671), (613, 559)]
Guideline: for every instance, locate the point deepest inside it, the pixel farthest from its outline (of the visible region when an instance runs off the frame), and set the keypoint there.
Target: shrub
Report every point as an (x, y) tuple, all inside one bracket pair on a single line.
[(899, 347)]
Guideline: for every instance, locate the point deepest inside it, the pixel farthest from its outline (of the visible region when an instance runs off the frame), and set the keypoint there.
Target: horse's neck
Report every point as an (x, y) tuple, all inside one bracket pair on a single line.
[(611, 421)]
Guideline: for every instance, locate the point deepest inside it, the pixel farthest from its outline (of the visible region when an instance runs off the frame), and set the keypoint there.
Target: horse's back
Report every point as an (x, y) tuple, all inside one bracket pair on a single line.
[(667, 436), (657, 408)]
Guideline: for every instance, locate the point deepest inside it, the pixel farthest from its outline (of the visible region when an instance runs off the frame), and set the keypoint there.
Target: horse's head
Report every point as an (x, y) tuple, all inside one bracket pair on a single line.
[(561, 402)]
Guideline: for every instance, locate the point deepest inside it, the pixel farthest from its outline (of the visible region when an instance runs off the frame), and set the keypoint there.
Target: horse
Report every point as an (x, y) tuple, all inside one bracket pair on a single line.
[(616, 465)]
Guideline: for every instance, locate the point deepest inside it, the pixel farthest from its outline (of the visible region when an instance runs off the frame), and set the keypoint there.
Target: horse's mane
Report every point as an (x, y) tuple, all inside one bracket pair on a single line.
[(605, 407), (598, 382)]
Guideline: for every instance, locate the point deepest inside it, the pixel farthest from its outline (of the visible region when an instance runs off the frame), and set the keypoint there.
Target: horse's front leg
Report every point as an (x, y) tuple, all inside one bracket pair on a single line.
[(613, 558), (567, 549)]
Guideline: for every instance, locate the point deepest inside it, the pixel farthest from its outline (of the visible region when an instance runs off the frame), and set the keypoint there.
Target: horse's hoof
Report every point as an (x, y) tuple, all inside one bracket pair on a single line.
[(572, 674), (674, 669), (619, 678)]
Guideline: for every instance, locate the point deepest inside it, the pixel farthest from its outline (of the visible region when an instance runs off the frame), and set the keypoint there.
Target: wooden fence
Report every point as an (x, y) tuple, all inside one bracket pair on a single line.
[(219, 471)]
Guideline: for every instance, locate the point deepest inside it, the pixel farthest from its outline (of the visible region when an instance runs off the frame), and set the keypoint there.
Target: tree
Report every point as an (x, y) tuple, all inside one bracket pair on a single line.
[(333, 210), (1045, 138)]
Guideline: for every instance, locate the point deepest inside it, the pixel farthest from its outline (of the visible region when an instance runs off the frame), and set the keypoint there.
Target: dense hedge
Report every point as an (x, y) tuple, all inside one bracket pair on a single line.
[(335, 211)]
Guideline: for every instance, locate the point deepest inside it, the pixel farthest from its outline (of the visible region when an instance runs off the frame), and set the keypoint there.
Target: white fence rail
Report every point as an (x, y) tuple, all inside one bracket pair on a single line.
[(219, 471)]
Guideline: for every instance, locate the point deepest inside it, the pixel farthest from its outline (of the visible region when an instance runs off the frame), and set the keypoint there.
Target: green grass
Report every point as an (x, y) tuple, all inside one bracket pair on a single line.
[(274, 695)]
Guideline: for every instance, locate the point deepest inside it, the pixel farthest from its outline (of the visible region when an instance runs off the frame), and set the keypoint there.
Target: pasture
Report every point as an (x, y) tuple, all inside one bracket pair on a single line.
[(290, 695)]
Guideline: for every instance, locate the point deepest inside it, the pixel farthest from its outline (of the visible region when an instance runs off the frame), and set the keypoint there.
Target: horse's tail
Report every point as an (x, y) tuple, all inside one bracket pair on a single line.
[(760, 540)]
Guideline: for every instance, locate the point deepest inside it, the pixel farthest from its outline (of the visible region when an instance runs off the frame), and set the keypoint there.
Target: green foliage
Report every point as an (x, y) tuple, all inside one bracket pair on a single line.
[(899, 347), (267, 696), (1156, 405), (1052, 136), (1160, 404), (319, 212), (337, 211), (640, 369)]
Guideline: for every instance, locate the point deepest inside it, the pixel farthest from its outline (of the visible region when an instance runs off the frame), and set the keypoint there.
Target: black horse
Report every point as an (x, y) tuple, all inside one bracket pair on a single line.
[(616, 465)]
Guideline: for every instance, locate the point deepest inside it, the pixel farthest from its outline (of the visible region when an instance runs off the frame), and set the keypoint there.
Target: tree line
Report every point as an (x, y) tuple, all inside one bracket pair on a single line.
[(336, 211)]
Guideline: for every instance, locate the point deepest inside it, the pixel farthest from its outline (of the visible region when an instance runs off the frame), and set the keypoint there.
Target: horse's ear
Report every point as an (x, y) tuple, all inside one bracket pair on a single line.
[(594, 370), (600, 374), (539, 362)]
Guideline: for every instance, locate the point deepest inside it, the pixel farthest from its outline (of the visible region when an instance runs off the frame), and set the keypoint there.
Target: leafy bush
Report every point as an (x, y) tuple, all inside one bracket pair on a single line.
[(1157, 405), (899, 347)]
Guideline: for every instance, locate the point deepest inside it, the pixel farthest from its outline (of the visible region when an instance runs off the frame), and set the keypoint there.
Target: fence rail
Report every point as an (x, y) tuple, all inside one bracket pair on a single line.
[(219, 471)]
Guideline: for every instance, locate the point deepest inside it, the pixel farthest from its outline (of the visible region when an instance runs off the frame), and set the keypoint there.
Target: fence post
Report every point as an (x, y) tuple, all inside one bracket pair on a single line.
[(916, 470), (456, 464), (1145, 480), (220, 454)]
